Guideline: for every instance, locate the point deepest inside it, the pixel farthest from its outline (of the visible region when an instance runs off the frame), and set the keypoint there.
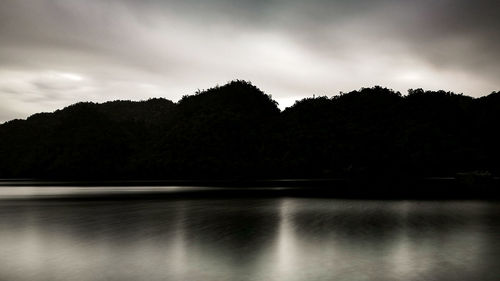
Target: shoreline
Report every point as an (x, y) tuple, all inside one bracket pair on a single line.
[(375, 189)]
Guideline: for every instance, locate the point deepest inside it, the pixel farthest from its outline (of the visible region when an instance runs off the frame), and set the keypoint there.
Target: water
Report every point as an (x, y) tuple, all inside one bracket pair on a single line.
[(246, 239)]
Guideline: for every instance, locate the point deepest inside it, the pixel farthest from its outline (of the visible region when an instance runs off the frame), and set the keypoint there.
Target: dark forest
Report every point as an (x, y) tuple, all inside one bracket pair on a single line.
[(236, 131)]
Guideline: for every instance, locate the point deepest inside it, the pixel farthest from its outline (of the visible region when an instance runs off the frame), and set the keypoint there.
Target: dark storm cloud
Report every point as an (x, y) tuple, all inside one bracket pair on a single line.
[(63, 51), (448, 33)]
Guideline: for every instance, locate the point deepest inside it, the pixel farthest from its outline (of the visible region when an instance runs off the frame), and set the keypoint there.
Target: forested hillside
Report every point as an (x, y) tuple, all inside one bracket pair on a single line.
[(236, 131)]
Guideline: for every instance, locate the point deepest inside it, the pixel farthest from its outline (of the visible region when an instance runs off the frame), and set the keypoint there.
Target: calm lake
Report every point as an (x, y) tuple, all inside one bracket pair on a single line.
[(278, 238)]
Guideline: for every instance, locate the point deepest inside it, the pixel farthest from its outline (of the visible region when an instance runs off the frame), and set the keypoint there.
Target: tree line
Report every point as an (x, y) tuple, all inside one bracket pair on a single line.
[(236, 131)]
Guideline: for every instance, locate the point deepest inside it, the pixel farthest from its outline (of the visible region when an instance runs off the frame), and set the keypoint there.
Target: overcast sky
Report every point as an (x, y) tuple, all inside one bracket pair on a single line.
[(57, 52)]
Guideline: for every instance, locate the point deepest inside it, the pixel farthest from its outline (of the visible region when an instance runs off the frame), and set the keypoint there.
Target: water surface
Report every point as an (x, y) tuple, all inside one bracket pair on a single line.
[(247, 239)]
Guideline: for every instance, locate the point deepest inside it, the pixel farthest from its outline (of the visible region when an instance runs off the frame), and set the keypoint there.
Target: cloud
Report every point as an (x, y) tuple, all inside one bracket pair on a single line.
[(132, 49)]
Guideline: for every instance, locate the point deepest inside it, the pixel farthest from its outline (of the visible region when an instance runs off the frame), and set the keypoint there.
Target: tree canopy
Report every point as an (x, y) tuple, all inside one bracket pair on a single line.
[(237, 131)]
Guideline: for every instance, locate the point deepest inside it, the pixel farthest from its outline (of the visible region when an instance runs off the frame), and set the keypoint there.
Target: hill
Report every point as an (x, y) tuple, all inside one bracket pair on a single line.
[(236, 131)]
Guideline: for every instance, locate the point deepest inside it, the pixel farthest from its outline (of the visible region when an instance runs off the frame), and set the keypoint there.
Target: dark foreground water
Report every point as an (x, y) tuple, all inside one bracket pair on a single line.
[(245, 239)]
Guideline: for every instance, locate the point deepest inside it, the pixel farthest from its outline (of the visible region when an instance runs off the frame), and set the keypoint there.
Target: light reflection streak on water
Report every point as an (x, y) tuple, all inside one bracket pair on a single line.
[(286, 251), (33, 192)]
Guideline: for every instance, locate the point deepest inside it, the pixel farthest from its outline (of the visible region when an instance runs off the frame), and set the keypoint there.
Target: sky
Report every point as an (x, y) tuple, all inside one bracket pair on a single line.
[(54, 53)]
